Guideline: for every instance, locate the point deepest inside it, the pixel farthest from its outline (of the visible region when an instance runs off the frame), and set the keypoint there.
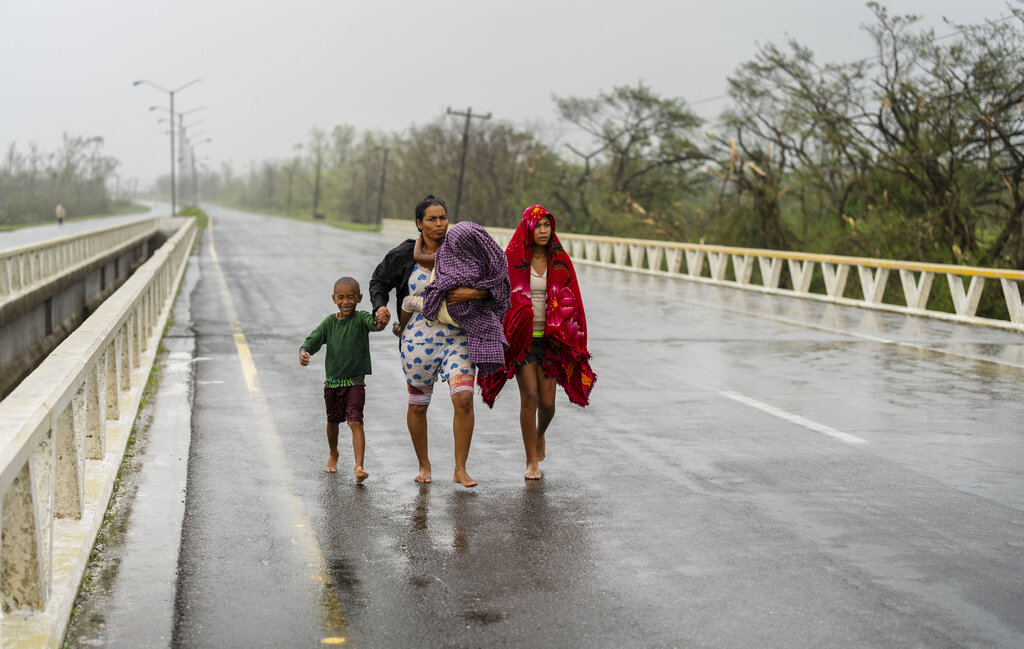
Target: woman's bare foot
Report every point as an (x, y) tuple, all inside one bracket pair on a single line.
[(541, 448), (332, 463), (424, 475), (532, 472), (361, 474), (463, 478)]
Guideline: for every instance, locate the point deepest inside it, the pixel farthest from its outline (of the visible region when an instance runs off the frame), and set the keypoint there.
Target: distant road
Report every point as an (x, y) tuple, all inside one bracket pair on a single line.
[(40, 233)]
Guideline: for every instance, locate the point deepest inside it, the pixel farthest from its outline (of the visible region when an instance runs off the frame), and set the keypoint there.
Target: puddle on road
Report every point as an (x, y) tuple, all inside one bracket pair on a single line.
[(483, 618)]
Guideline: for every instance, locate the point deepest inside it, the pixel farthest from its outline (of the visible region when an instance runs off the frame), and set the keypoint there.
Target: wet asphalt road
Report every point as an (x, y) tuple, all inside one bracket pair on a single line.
[(753, 471), (39, 233)]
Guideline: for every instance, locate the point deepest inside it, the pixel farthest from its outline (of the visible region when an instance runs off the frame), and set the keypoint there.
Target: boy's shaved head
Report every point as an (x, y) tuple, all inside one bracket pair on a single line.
[(346, 281)]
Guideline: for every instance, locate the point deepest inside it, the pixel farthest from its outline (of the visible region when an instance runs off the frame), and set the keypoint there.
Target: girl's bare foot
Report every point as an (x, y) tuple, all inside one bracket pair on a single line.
[(463, 478), (361, 474), (532, 472), (540, 449), (424, 475), (332, 463)]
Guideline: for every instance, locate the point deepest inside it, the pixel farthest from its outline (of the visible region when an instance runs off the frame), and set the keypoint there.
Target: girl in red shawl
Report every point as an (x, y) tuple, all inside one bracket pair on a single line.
[(546, 331)]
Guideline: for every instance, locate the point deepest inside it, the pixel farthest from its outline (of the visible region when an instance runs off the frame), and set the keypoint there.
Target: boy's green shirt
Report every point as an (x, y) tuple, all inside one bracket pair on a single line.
[(348, 347)]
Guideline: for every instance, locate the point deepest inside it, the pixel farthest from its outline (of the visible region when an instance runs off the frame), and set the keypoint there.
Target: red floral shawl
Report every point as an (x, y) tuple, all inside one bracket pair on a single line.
[(565, 332)]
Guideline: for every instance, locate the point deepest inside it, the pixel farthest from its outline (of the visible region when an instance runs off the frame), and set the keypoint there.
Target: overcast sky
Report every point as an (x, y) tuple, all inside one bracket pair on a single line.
[(271, 71)]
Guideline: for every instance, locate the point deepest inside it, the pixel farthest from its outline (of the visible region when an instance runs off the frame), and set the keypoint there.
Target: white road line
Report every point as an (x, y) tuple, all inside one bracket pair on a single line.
[(796, 419)]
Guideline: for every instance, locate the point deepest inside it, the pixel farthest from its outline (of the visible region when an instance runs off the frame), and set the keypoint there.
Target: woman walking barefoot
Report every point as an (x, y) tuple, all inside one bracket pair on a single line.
[(546, 330), (430, 352)]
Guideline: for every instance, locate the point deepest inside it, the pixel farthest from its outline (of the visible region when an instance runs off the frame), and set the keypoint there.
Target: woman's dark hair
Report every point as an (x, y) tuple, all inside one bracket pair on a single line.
[(429, 201)]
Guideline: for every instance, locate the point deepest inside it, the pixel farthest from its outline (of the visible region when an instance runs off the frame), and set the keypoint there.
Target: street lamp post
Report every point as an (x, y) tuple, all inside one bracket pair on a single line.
[(195, 176), (170, 93), (182, 138)]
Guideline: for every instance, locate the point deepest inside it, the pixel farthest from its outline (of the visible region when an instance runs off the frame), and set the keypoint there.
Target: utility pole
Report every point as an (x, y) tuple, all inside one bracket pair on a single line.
[(380, 190), (170, 123), (318, 151), (195, 179), (465, 145), (181, 148)]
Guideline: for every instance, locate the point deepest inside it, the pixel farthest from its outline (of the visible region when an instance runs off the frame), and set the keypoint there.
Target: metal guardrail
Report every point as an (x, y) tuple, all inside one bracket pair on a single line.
[(26, 267), (730, 266), (63, 432)]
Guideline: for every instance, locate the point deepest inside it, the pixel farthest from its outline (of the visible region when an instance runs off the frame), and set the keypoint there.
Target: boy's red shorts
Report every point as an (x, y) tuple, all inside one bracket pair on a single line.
[(345, 404)]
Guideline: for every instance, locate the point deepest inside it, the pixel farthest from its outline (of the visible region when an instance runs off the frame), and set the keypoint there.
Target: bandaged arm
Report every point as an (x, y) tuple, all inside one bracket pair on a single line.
[(415, 303)]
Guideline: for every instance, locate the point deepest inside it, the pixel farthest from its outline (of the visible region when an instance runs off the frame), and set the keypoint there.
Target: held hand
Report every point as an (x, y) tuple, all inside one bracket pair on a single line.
[(463, 294), (403, 319), (303, 357), (383, 317)]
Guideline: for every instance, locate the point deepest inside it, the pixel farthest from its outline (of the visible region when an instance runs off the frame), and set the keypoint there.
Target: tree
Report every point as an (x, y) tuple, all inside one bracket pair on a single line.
[(644, 157), (947, 120), (789, 132), (76, 175)]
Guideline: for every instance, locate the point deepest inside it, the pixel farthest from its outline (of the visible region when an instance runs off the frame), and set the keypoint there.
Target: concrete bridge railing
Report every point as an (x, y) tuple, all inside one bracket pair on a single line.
[(63, 433), (26, 267), (729, 266), (48, 289)]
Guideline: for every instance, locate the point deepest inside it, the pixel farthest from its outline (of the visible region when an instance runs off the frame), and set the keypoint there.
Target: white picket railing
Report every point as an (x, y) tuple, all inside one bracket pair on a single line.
[(63, 432), (712, 264), (26, 267)]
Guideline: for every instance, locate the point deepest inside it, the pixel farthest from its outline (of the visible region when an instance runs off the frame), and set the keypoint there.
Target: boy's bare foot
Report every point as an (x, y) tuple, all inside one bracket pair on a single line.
[(361, 474), (541, 448), (532, 473), (332, 463), (424, 475), (463, 478)]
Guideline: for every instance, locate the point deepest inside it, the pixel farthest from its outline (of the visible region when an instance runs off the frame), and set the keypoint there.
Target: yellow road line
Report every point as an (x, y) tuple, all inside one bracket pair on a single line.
[(334, 618)]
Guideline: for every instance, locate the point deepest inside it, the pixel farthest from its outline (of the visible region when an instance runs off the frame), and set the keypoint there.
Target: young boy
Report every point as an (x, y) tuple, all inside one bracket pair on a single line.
[(346, 334)]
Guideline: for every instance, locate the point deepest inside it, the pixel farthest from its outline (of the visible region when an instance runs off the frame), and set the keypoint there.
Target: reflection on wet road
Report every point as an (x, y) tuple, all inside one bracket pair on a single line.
[(709, 497)]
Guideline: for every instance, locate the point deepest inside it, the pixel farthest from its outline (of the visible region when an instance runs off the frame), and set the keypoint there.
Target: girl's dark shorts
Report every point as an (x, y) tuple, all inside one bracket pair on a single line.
[(345, 404), (536, 354)]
